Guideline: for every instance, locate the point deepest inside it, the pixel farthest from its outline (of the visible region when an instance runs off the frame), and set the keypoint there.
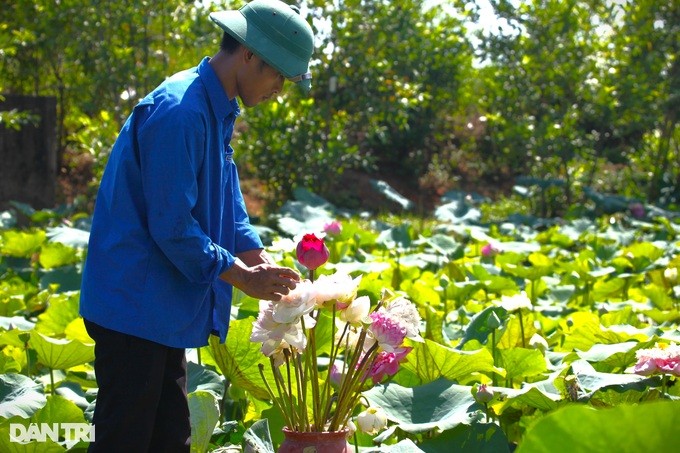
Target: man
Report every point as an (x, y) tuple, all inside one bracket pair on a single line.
[(170, 234)]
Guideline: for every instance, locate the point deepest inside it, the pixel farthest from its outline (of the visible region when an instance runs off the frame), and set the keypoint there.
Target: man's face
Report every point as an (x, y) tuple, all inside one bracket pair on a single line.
[(259, 82)]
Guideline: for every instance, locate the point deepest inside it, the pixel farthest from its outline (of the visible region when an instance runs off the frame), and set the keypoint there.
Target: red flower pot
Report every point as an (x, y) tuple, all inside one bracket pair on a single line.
[(315, 442)]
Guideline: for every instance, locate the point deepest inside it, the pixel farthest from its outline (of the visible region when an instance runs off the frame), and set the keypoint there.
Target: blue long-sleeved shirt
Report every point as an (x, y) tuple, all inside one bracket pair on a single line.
[(169, 217)]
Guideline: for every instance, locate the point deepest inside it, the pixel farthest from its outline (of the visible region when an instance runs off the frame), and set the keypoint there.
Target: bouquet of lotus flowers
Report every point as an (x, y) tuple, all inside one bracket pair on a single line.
[(327, 345)]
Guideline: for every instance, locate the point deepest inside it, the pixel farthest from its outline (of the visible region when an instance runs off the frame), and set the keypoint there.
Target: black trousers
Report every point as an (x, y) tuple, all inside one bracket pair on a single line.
[(142, 399)]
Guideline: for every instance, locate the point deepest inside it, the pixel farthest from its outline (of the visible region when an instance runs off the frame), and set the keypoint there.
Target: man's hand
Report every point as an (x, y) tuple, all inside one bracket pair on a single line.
[(261, 281)]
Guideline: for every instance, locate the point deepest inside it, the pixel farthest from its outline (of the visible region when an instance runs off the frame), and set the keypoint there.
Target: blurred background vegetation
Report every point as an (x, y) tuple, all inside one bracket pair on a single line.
[(569, 98)]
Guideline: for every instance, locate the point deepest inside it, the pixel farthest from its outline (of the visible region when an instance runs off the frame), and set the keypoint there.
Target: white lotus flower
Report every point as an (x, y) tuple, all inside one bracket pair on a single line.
[(372, 420), (276, 335), (404, 312), (356, 311), (338, 288), (297, 303), (516, 302)]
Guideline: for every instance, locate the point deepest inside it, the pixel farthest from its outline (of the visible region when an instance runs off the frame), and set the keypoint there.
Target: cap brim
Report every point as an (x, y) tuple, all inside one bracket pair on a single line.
[(234, 23)]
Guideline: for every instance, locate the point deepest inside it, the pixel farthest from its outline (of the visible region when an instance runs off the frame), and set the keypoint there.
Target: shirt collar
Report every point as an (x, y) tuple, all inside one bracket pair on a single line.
[(222, 106)]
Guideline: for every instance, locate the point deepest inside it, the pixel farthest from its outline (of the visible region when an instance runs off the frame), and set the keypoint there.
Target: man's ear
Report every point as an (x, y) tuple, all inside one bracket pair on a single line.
[(248, 54)]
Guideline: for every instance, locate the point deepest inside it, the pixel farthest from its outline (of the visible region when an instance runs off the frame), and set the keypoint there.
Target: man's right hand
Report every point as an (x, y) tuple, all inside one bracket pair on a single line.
[(263, 281)]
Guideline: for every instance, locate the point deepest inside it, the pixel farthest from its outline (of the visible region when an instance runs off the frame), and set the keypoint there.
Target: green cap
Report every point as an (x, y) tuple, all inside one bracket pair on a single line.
[(275, 32)]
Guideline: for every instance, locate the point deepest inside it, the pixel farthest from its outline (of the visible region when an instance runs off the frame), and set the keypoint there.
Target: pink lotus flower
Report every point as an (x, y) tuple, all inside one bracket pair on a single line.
[(386, 331), (333, 228), (406, 314), (365, 347), (312, 251), (391, 324), (387, 363), (489, 250), (663, 359)]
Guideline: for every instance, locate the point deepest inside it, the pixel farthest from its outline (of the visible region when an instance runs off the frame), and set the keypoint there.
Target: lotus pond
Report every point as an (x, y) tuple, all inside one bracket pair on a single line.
[(540, 335)]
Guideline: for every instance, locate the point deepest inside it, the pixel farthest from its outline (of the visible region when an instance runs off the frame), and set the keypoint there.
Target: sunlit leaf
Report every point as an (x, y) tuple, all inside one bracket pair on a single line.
[(578, 428), (61, 354), (238, 359), (519, 362), (21, 244), (55, 254), (205, 413), (62, 310), (431, 361)]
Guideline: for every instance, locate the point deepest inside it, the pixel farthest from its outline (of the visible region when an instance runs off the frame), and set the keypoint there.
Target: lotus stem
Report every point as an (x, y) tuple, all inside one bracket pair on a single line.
[(351, 391), (301, 387), (493, 354), (664, 385), (289, 412), (521, 328), (271, 393)]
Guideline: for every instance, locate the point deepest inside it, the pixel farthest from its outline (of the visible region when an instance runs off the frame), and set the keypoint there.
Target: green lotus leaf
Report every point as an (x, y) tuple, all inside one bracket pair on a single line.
[(520, 362), (204, 412), (20, 396), (61, 354), (21, 244), (474, 438), (238, 359), (439, 404), (62, 311), (651, 426), (431, 361)]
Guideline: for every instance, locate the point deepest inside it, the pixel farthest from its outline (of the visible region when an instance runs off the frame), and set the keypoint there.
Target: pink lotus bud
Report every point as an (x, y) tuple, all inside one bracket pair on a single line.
[(484, 394), (489, 250), (312, 251), (335, 375), (333, 227), (637, 210)]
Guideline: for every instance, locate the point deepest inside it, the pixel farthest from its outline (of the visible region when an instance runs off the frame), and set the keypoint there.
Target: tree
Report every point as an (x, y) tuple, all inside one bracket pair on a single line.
[(578, 87)]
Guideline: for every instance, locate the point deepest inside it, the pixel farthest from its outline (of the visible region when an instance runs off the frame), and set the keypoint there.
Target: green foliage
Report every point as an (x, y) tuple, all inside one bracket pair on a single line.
[(584, 92), (287, 146)]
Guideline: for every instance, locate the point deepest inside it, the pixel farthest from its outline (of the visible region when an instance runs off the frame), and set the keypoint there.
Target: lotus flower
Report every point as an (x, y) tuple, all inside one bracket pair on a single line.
[(372, 420), (489, 250), (312, 251), (484, 394), (333, 228), (360, 345), (387, 363), (663, 359)]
